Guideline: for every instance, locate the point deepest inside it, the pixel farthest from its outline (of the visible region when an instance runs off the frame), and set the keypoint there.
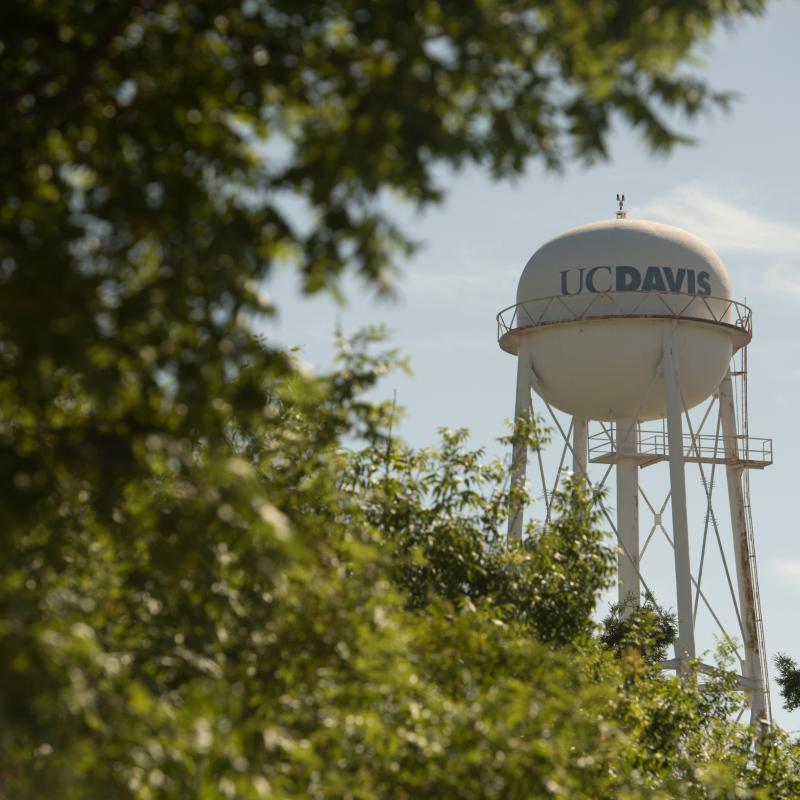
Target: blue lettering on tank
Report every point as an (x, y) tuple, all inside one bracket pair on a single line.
[(628, 279), (590, 280), (564, 274), (674, 279), (653, 281), (625, 278)]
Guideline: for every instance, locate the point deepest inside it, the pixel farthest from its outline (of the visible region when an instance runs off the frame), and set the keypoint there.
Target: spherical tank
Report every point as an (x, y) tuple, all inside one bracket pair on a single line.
[(596, 305)]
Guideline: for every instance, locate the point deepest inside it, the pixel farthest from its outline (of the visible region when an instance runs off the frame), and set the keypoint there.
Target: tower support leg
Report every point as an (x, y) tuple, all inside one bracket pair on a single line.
[(580, 446), (628, 514), (519, 456), (753, 646), (684, 644)]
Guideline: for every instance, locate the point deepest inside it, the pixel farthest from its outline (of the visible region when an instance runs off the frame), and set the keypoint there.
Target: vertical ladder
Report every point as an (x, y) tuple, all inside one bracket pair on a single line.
[(743, 426)]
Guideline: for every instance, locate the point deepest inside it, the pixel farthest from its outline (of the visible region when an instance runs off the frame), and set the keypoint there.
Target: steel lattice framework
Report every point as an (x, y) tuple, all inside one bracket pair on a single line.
[(717, 442)]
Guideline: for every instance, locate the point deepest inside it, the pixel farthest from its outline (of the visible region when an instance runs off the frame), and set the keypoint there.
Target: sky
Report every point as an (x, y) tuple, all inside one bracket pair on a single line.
[(736, 188)]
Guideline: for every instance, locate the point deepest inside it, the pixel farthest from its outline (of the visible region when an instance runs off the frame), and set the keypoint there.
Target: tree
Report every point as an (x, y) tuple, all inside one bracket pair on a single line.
[(444, 511), (255, 627), (789, 681), (150, 151), (190, 604), (648, 629)]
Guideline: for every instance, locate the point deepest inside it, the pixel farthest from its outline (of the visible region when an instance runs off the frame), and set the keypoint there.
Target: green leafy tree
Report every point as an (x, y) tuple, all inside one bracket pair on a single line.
[(444, 511), (788, 680), (647, 628), (282, 652), (190, 604)]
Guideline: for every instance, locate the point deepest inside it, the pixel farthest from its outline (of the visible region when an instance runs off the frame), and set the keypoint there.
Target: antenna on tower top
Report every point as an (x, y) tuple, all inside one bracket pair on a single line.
[(621, 213)]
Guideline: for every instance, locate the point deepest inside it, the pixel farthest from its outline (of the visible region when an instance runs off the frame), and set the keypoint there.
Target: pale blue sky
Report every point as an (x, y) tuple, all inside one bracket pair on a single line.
[(737, 189)]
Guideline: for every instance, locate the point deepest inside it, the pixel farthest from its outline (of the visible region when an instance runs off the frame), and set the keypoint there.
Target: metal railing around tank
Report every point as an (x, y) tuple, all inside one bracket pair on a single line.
[(621, 305), (652, 446)]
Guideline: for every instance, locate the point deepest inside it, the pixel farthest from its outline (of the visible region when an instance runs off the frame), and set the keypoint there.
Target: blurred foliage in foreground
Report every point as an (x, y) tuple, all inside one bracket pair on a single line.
[(202, 592), (278, 616)]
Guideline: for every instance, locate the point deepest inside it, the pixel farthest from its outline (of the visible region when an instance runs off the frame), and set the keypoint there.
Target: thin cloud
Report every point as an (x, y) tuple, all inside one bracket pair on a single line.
[(473, 280), (786, 569), (730, 226), (724, 224), (783, 278)]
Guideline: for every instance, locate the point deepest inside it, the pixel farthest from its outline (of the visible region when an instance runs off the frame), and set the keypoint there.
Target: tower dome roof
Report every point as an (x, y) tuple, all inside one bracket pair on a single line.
[(653, 257)]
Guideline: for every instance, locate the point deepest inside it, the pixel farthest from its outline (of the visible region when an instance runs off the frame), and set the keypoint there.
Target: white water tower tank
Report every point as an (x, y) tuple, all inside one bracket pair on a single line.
[(595, 303), (625, 321)]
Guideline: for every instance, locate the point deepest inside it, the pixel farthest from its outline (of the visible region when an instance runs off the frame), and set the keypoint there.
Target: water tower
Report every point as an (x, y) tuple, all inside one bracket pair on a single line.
[(625, 326)]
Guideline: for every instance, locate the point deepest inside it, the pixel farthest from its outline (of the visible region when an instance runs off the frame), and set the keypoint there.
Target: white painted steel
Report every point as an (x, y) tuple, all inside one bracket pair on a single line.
[(600, 369), (684, 644), (596, 349), (626, 440), (753, 646), (580, 446), (519, 456)]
